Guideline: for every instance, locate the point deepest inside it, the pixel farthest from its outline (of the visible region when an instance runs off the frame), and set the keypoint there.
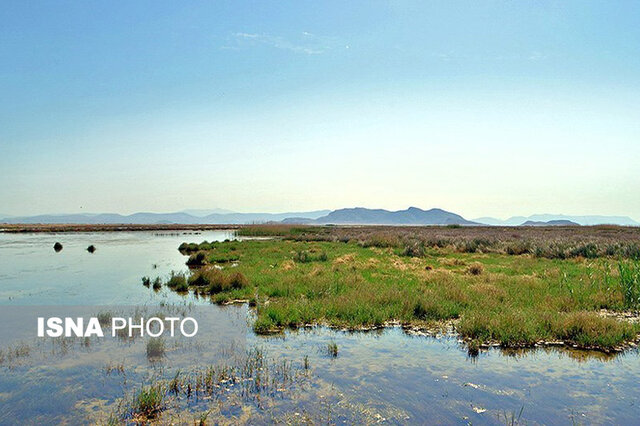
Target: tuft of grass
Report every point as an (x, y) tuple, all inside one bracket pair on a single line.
[(475, 268), (177, 281), (156, 347), (306, 256), (146, 281), (147, 403), (332, 349), (630, 283), (104, 318), (157, 284), (215, 281), (197, 259)]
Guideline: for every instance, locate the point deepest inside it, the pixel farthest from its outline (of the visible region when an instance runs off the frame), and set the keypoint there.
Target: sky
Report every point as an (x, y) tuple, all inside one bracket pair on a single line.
[(484, 108)]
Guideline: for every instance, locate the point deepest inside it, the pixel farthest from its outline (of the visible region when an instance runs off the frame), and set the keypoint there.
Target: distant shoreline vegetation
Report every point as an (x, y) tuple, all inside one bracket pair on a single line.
[(570, 286)]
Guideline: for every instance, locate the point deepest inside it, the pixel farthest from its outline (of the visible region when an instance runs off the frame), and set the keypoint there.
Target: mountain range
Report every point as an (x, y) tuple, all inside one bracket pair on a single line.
[(166, 218), (580, 220), (352, 216), (410, 216)]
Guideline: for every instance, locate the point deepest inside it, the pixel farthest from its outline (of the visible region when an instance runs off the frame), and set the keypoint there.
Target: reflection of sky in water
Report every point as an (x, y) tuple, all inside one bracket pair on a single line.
[(391, 375), (32, 273)]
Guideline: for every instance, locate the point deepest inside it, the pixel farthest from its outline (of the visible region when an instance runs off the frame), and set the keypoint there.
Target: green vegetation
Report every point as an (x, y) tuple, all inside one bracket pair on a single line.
[(332, 349), (146, 281), (630, 283), (148, 403), (157, 284), (177, 281), (514, 300), (155, 347)]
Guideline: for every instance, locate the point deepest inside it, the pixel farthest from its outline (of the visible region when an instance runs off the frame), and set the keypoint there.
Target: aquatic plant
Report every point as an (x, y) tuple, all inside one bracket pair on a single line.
[(157, 283), (146, 281), (147, 403), (332, 349), (177, 281), (155, 347), (197, 259), (104, 318)]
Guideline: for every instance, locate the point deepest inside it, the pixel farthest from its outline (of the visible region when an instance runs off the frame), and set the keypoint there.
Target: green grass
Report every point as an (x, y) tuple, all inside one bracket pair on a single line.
[(147, 403), (514, 300), (630, 283)]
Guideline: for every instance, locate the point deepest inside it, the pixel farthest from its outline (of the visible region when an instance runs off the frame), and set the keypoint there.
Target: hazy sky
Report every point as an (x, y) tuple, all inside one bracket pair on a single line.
[(481, 107)]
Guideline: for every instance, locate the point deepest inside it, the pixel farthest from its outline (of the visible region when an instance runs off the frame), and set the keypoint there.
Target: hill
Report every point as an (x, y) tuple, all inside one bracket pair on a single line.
[(410, 216)]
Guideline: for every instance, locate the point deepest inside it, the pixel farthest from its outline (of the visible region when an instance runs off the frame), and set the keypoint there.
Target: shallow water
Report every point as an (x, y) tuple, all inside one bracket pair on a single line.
[(377, 376)]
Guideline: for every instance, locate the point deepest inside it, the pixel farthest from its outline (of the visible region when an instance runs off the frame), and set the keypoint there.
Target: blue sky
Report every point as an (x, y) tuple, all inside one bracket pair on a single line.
[(484, 108)]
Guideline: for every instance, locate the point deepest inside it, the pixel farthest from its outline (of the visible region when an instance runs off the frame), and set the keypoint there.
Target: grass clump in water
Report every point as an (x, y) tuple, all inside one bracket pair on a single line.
[(332, 349), (156, 347), (177, 281), (147, 403)]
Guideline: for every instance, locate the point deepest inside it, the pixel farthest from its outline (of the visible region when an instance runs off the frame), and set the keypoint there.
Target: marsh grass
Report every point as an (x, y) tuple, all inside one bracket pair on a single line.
[(512, 300), (156, 347), (630, 283), (157, 284), (197, 259), (177, 281), (332, 349), (104, 318), (147, 403)]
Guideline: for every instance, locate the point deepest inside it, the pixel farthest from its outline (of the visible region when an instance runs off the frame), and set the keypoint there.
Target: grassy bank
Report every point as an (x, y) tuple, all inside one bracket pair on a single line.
[(510, 299)]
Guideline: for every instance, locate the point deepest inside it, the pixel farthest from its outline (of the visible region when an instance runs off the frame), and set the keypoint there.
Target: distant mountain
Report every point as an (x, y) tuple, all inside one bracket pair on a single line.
[(166, 218), (206, 212), (410, 216), (512, 221), (580, 220), (550, 223)]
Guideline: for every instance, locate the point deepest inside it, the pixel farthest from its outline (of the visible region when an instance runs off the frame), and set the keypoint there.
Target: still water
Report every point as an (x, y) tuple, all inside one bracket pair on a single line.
[(377, 377)]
